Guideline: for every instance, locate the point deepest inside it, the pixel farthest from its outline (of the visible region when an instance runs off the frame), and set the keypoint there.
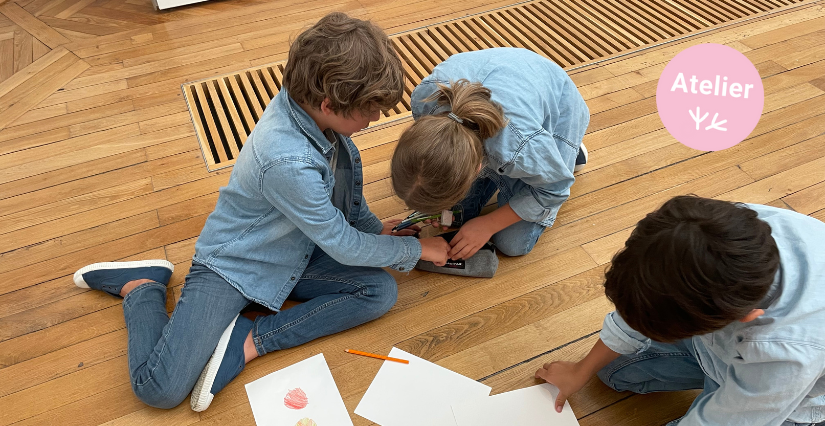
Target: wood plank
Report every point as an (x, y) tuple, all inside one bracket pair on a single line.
[(39, 49), (65, 245), (40, 114), (32, 25), (42, 88), (74, 8), (780, 185), (72, 173), (808, 200), (6, 59), (783, 159), (79, 26), (69, 206), (62, 362), (784, 33), (530, 340), (152, 201), (36, 67), (22, 50), (651, 409), (506, 317), (64, 146)]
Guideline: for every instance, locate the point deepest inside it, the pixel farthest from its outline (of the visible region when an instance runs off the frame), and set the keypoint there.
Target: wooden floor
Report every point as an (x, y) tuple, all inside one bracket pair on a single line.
[(99, 162)]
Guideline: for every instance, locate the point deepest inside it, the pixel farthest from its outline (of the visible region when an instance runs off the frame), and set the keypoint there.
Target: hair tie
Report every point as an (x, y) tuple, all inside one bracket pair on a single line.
[(466, 123)]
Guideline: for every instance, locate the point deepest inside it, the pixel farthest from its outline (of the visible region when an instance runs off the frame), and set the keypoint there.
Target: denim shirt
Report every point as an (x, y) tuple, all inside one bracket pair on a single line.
[(772, 368), (547, 118), (283, 199)]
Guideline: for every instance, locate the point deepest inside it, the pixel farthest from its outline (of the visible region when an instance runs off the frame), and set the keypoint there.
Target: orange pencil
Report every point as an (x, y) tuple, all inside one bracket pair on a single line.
[(351, 351)]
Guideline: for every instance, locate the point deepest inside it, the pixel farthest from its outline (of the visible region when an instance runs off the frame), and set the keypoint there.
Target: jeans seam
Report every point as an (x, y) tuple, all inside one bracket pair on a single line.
[(165, 337), (332, 278), (645, 357), (306, 316)]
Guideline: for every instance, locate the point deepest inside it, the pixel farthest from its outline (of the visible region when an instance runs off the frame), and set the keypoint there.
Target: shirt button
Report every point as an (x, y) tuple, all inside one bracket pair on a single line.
[(352, 222), (401, 268), (357, 160), (357, 183), (306, 256), (356, 202), (292, 278)]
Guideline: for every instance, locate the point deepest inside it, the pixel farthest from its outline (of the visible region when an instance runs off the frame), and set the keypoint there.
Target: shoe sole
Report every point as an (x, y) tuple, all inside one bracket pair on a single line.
[(580, 167), (78, 276), (202, 392)]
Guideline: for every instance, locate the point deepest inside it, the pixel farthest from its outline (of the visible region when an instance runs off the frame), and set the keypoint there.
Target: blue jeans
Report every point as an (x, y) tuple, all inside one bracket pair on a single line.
[(167, 354), (662, 367), (517, 239)]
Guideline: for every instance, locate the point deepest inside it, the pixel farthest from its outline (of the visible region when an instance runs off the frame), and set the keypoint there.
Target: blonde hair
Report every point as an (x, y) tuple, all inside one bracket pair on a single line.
[(438, 157), (347, 60)]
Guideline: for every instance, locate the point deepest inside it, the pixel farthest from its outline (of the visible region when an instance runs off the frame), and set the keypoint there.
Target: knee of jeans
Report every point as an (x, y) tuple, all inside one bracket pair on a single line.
[(383, 292), (510, 246), (159, 397), (604, 376), (615, 380)]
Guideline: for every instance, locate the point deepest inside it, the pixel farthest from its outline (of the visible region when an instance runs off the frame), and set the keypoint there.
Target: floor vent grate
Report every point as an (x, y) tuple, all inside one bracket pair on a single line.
[(570, 32)]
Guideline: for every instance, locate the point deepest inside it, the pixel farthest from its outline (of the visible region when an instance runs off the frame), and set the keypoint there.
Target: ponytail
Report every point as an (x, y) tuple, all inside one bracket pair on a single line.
[(472, 102), (438, 157)]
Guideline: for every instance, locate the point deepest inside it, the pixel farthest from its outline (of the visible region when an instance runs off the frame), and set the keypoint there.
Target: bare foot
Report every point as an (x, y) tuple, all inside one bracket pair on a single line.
[(249, 351), (131, 286)]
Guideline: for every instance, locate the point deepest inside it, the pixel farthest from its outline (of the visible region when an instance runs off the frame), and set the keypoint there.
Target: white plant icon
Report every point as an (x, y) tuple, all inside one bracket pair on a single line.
[(713, 125)]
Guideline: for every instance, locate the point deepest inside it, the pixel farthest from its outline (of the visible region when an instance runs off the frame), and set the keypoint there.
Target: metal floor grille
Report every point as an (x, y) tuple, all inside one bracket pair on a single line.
[(570, 32)]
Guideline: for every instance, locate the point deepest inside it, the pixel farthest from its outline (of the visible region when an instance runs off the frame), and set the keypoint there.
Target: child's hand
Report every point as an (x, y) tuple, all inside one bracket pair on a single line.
[(567, 376), (435, 224), (470, 238), (434, 249), (406, 232)]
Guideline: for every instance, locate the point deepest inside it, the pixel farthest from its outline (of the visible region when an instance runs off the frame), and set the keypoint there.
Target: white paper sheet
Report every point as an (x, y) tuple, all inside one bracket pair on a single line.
[(305, 390), (416, 394), (534, 406)]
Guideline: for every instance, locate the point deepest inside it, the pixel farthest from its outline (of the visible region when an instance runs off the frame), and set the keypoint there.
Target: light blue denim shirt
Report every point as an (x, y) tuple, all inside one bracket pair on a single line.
[(547, 118), (772, 368), (283, 199)]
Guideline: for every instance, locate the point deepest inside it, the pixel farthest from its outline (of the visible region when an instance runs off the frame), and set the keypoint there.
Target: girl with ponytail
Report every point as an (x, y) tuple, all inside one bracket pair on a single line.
[(505, 120)]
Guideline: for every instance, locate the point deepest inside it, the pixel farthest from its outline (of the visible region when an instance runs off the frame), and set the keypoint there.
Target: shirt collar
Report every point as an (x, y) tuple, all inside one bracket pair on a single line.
[(305, 122), (773, 292)]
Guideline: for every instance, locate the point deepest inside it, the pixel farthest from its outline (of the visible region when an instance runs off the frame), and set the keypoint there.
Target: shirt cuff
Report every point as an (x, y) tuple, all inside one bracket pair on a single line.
[(529, 209), (615, 335), (412, 253)]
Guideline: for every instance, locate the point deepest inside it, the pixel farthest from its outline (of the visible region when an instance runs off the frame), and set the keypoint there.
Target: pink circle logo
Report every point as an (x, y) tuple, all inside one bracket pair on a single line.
[(710, 97)]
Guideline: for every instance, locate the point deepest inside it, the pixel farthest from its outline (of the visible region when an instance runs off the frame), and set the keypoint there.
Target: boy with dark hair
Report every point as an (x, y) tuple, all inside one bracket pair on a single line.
[(291, 223), (729, 298)]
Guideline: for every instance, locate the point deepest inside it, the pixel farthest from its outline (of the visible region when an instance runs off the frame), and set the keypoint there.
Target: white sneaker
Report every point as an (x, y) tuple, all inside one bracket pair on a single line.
[(579, 164)]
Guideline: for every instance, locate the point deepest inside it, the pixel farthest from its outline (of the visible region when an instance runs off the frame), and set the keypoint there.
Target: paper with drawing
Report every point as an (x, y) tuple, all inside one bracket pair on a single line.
[(303, 394), (418, 393)]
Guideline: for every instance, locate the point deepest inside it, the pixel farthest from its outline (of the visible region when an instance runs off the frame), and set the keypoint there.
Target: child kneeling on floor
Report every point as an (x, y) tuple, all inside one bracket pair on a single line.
[(506, 120), (729, 298), (291, 223)]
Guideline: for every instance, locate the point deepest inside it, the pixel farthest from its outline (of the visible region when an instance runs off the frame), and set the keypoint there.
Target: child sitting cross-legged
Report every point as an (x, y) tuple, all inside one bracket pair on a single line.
[(291, 223), (728, 298)]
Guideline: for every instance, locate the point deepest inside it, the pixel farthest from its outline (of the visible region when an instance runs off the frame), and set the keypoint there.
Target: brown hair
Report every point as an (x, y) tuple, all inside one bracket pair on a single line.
[(437, 158), (347, 60), (692, 267)]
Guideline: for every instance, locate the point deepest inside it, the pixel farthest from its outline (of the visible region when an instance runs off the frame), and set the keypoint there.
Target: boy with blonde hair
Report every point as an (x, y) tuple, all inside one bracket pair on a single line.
[(291, 223)]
